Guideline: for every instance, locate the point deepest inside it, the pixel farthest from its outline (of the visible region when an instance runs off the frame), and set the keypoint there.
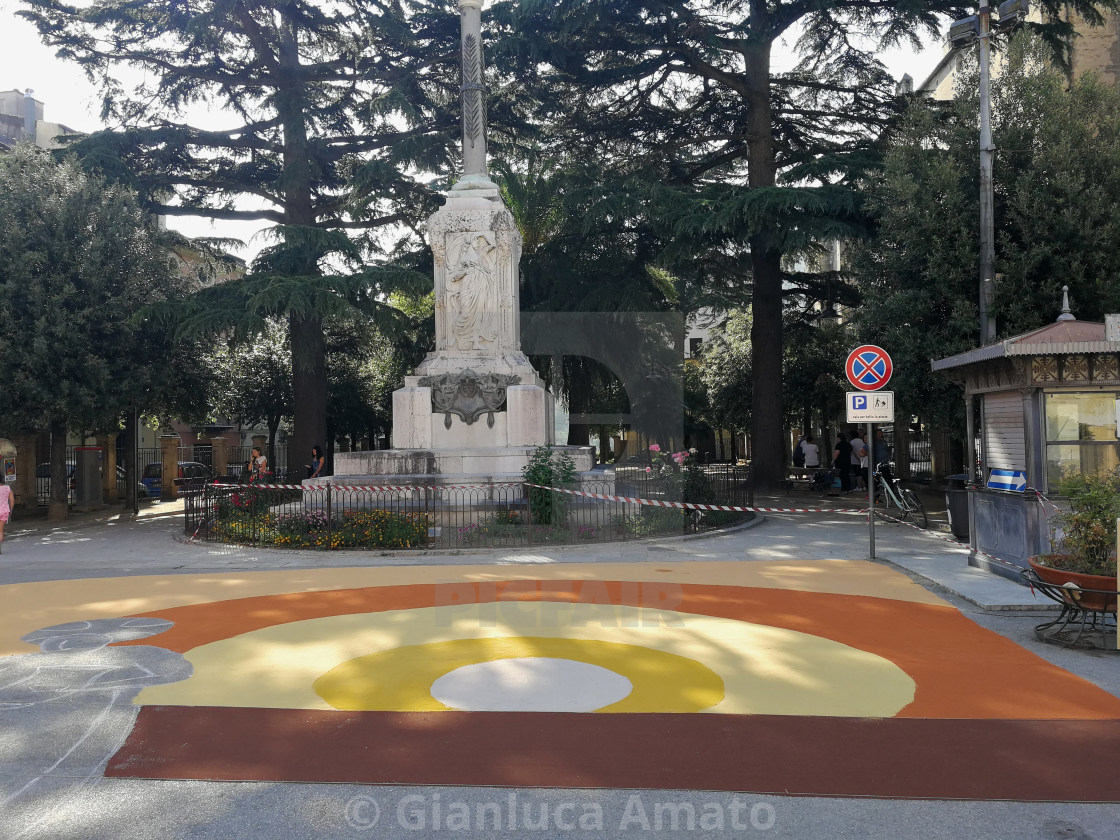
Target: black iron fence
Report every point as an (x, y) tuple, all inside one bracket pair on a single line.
[(43, 477), (200, 454), (195, 462), (474, 516), (921, 456), (920, 450), (278, 467)]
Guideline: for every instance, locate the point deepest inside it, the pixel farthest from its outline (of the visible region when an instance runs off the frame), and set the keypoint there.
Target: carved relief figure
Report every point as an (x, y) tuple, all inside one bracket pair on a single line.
[(471, 292)]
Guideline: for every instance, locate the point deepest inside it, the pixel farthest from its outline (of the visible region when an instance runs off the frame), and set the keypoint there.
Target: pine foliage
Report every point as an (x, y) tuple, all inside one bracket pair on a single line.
[(334, 110)]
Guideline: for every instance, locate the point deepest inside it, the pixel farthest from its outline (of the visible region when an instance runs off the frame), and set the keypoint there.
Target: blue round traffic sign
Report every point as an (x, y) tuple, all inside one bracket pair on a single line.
[(868, 367)]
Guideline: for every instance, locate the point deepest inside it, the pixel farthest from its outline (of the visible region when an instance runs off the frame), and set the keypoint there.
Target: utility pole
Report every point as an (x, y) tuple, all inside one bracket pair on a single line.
[(978, 29), (987, 153)]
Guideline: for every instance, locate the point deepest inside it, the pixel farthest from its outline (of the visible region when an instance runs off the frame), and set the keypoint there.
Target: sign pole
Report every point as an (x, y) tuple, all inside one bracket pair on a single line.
[(869, 368), (871, 487)]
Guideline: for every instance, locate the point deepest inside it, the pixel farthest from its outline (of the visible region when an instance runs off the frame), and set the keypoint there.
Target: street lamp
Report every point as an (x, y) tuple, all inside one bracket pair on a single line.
[(977, 29)]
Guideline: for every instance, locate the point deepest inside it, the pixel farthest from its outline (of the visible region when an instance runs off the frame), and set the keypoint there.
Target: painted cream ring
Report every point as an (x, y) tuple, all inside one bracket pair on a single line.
[(764, 669)]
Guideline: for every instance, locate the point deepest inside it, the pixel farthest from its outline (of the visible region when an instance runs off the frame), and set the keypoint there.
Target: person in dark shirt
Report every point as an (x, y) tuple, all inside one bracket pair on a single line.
[(842, 461), (880, 452)]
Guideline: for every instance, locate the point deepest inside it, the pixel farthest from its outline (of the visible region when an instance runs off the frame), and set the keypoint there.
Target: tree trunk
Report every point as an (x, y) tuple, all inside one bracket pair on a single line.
[(309, 347), (59, 507), (767, 448), (579, 434), (273, 426), (131, 468), (902, 448)]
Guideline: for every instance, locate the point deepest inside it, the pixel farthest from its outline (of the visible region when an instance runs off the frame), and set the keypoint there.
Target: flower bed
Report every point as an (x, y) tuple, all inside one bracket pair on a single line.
[(510, 528), (312, 529)]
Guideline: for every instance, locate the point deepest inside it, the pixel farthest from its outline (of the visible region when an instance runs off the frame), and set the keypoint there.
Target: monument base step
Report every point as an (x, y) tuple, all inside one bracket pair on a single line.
[(448, 466)]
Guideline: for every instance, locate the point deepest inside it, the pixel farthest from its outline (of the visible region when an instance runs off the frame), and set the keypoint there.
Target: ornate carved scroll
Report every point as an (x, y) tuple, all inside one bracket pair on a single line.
[(1044, 369), (1105, 369), (1075, 369), (468, 394)]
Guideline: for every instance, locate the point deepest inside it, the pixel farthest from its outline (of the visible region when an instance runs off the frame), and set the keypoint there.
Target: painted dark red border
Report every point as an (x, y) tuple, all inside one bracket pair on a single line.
[(1026, 760)]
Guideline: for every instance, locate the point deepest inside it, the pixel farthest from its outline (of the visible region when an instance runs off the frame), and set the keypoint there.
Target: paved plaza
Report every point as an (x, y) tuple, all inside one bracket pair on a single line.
[(770, 681)]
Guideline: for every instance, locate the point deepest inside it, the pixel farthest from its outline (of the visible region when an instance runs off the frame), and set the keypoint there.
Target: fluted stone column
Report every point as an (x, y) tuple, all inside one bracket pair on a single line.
[(473, 98)]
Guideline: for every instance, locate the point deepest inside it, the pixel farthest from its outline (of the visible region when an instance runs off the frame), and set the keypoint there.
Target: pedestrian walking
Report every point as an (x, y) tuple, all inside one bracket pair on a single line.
[(859, 457), (7, 502)]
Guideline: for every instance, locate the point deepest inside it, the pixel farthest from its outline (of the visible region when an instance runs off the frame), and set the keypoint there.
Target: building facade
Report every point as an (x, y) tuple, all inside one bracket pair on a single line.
[(21, 120)]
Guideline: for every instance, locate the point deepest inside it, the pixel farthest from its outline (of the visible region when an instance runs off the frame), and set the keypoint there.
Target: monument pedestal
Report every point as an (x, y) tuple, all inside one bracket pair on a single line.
[(516, 416), (474, 410)]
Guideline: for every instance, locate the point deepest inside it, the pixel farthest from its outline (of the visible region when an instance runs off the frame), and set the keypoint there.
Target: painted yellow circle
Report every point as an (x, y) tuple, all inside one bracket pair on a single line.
[(401, 679)]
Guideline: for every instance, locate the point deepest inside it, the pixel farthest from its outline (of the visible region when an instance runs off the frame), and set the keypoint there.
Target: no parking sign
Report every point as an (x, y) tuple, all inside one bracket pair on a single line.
[(869, 367), (870, 408)]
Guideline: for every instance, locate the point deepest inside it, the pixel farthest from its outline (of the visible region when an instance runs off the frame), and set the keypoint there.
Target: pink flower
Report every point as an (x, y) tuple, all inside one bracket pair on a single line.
[(653, 447), (647, 469)]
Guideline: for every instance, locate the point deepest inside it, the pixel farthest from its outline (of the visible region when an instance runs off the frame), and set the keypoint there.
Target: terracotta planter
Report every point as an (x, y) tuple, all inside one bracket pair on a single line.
[(1098, 601)]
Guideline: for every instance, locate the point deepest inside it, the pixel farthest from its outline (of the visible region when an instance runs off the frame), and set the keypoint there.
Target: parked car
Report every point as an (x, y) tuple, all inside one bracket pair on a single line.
[(141, 489), (234, 474), (189, 471), (43, 483)]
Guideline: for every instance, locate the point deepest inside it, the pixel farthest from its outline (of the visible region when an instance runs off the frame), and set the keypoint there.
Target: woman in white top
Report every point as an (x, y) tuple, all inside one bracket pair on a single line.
[(812, 453), (258, 465)]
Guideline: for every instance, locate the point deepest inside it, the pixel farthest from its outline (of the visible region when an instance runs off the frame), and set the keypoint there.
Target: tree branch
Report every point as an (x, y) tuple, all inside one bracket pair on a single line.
[(219, 213)]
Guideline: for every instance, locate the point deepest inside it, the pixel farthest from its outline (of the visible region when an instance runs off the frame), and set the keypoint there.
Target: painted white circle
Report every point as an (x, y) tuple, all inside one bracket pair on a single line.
[(530, 684)]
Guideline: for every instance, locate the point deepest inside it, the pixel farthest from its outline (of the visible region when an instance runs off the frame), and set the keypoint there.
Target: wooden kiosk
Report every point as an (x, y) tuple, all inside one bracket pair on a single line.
[(1041, 403)]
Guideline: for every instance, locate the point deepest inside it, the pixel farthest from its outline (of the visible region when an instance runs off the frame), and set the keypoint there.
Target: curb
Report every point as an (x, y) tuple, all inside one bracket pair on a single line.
[(756, 520)]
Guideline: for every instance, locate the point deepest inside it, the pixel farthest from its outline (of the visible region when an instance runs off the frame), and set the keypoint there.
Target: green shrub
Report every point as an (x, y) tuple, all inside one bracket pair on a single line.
[(696, 486), (549, 468), (652, 521), (504, 524), (1089, 529)]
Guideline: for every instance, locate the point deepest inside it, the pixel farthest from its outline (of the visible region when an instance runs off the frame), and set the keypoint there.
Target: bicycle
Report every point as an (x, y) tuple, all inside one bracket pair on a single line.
[(906, 500)]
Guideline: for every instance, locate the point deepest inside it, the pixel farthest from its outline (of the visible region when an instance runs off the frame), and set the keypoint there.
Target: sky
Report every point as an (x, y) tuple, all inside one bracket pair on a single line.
[(69, 98)]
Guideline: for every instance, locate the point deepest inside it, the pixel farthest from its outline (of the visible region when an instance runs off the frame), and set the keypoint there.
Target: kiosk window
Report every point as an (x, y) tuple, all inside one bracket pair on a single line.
[(1081, 433)]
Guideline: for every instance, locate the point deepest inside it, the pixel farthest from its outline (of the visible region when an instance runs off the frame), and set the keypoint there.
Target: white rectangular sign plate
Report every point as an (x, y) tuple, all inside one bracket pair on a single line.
[(870, 406)]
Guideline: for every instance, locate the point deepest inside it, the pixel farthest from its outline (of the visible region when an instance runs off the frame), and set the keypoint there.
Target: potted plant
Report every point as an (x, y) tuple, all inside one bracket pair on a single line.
[(1083, 544)]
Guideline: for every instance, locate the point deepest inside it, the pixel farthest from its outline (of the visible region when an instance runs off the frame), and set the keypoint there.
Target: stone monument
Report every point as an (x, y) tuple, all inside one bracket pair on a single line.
[(475, 408)]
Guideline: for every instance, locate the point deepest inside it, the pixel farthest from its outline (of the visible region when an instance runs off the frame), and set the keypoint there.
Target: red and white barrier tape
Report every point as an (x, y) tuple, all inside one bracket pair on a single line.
[(202, 521), (1044, 501), (990, 557), (693, 505), (602, 496), (368, 488), (697, 506), (629, 499)]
